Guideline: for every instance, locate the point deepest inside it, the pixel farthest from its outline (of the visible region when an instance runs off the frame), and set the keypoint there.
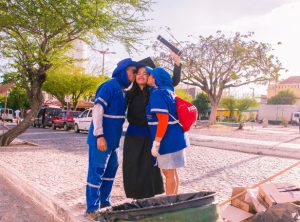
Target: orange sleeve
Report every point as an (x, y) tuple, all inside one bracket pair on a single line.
[(162, 125)]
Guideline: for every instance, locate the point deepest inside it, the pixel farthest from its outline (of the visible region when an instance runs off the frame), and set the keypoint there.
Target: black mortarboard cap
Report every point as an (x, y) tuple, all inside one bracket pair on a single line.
[(147, 62)]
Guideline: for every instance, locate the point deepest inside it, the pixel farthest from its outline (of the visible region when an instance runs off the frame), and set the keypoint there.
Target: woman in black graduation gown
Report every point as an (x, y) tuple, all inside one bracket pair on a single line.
[(141, 178)]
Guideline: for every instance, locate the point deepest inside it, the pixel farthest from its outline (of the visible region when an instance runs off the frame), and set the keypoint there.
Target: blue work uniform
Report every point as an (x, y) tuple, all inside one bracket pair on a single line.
[(163, 101), (103, 165)]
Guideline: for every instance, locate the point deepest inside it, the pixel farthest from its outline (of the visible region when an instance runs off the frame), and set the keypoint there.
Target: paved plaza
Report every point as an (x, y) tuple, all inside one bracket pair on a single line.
[(58, 165)]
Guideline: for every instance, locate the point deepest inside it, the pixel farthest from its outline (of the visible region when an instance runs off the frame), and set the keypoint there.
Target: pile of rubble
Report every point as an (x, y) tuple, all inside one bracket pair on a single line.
[(269, 202)]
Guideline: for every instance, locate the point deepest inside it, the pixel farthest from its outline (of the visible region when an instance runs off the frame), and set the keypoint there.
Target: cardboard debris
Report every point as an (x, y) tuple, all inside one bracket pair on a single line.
[(244, 207), (233, 214), (251, 198), (273, 193), (240, 201)]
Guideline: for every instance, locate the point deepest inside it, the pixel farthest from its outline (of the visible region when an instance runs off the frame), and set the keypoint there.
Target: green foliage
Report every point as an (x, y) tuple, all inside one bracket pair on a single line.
[(246, 103), (240, 105), (183, 94), (35, 35), (202, 103), (2, 100), (70, 80), (17, 98), (229, 103), (284, 97)]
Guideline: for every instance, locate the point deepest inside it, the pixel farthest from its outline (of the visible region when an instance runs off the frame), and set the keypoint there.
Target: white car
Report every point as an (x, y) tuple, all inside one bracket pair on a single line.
[(83, 121), (8, 115)]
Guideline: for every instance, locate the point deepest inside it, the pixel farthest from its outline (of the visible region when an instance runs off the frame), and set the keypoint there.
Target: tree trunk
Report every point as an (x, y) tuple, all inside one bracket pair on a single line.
[(10, 135), (35, 104), (213, 113)]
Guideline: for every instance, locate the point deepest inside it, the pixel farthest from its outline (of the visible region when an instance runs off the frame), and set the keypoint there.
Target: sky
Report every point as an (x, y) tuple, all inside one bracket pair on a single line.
[(272, 21)]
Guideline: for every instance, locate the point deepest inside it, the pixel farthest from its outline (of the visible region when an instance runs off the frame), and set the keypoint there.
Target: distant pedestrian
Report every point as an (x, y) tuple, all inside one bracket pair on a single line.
[(17, 113)]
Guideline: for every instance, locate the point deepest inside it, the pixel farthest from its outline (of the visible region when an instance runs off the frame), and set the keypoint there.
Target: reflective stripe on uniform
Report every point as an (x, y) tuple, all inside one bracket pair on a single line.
[(102, 100), (92, 185), (113, 116), (169, 123), (159, 110), (105, 178)]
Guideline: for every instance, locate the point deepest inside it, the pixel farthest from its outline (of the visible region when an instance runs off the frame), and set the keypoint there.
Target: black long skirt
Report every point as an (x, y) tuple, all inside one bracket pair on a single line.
[(141, 178)]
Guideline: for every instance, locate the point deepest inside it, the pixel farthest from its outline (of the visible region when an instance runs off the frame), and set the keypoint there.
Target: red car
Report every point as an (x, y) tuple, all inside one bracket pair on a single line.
[(65, 120)]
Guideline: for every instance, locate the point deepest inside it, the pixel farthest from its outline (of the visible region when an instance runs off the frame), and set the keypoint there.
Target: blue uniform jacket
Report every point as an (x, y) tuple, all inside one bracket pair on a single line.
[(111, 96), (163, 101)]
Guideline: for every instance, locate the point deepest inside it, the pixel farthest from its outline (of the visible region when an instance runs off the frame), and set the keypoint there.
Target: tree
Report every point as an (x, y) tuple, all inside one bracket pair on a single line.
[(240, 105), (70, 80), (284, 97), (202, 103), (35, 35), (229, 103), (183, 94), (244, 104), (2, 101), (215, 63), (17, 98)]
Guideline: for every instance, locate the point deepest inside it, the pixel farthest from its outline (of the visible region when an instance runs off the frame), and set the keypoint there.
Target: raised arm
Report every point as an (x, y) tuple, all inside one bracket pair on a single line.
[(177, 69)]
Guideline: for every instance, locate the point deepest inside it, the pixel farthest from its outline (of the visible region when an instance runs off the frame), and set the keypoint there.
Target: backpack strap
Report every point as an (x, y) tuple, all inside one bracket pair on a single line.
[(175, 119), (174, 96)]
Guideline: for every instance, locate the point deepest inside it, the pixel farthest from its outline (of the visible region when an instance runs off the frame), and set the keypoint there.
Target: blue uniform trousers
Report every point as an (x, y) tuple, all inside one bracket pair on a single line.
[(102, 170)]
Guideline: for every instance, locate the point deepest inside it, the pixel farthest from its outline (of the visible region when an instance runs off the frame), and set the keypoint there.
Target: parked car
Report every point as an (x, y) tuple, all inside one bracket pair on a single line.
[(8, 115), (83, 121), (65, 119), (45, 115)]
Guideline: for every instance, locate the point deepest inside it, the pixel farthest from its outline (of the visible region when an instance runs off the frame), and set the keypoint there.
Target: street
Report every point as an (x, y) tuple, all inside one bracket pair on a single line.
[(58, 138)]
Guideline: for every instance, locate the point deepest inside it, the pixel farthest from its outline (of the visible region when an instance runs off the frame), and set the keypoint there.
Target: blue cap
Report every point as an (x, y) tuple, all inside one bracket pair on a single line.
[(162, 78), (120, 72)]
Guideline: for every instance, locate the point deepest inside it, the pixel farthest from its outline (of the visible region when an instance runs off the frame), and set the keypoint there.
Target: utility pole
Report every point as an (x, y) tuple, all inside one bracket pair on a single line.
[(252, 92), (104, 52)]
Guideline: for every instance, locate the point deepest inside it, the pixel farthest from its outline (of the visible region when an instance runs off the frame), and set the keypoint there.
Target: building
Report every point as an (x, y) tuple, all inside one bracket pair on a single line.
[(292, 83), (4, 88)]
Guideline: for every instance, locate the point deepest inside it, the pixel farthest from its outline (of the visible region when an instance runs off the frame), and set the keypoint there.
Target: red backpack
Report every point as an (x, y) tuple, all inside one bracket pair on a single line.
[(187, 113)]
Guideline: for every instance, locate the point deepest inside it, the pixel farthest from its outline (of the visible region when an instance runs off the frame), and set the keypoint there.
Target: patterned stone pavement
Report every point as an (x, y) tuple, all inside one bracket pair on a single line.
[(59, 165)]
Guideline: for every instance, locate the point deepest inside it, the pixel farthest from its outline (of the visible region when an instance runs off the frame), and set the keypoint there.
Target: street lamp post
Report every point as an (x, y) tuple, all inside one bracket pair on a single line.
[(104, 52)]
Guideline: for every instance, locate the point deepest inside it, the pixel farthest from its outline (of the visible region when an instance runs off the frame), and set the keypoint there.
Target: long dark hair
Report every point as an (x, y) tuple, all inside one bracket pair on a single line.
[(135, 90)]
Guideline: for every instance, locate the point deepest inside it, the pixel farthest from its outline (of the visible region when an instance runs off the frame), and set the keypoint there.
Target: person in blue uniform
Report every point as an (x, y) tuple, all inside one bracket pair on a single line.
[(169, 140), (104, 136)]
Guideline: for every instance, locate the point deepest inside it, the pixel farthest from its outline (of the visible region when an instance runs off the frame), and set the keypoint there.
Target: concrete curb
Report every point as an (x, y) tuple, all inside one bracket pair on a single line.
[(55, 207), (253, 149), (17, 142)]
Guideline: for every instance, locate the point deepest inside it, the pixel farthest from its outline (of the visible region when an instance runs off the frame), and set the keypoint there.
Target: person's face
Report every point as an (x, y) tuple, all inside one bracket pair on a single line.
[(151, 81), (142, 76), (131, 71)]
